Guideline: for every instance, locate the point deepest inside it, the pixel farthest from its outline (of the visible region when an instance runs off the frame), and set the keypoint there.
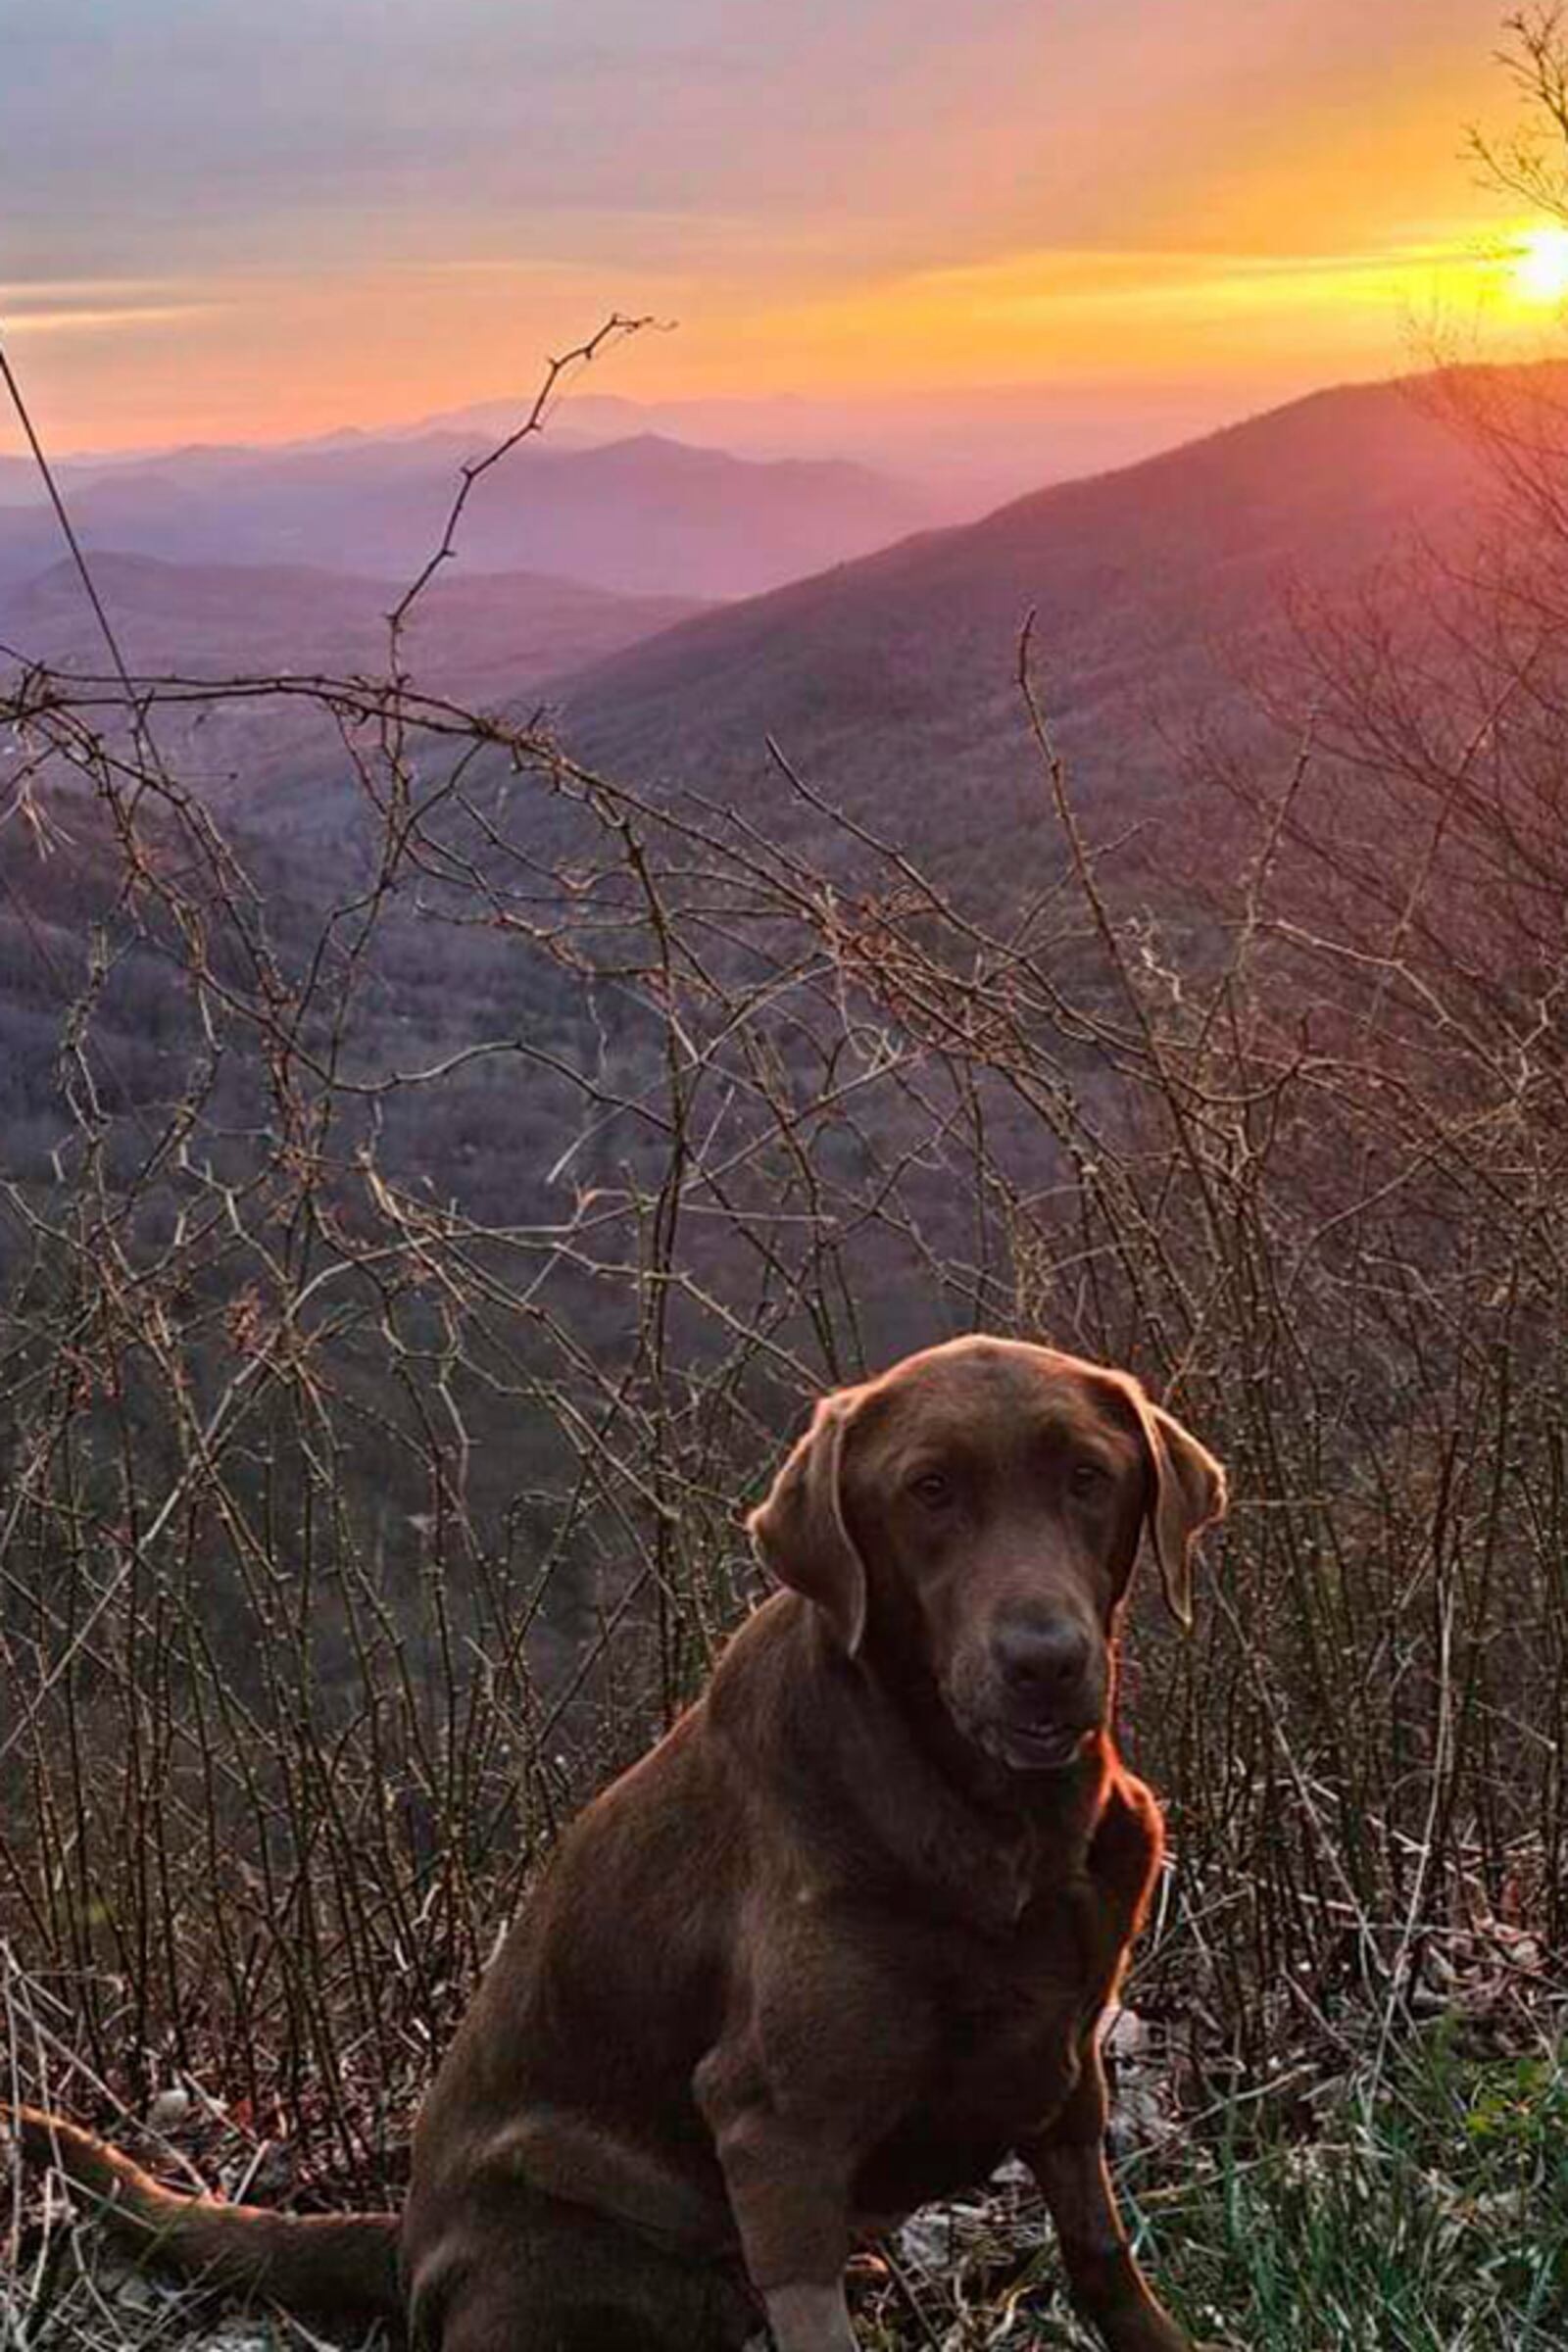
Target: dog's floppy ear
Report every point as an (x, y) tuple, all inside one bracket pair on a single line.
[(1189, 1494), (800, 1531)]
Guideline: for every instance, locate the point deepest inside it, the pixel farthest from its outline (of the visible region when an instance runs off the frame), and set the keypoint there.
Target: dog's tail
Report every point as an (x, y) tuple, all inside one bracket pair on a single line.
[(327, 2263)]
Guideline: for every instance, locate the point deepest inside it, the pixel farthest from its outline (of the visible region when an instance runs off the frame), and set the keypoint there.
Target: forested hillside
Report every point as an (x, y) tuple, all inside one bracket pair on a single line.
[(488, 636), (893, 682)]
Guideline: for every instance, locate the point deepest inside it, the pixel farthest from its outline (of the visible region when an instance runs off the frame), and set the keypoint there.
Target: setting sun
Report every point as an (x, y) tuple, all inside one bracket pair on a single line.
[(1541, 264)]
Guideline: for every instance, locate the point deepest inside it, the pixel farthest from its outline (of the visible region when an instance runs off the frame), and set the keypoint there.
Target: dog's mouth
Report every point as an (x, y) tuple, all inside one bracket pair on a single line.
[(1039, 1746), (1028, 1747)]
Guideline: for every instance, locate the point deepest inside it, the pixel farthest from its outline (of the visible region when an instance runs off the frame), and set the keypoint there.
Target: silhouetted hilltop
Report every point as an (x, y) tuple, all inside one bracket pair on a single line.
[(479, 634), (892, 681)]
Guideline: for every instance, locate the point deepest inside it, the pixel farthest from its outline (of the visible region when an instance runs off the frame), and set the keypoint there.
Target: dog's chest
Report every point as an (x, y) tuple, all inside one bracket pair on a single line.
[(1009, 2020)]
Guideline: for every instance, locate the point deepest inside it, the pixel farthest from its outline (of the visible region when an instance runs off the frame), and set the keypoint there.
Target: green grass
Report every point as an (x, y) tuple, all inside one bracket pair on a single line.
[(1431, 2217), (1425, 2212)]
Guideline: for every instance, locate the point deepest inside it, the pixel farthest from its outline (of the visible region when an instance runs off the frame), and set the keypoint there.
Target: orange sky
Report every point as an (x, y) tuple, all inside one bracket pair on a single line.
[(231, 227)]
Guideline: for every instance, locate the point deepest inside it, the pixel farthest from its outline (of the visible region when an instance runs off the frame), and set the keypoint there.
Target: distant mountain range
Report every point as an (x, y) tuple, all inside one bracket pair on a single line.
[(963, 451), (639, 516), (968, 450), (889, 678)]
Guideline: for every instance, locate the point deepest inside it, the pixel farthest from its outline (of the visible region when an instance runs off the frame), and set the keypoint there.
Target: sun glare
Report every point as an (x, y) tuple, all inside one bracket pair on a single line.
[(1541, 264)]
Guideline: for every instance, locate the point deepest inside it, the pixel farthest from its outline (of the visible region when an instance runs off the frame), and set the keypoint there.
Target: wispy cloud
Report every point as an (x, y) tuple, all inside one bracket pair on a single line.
[(56, 306), (85, 321)]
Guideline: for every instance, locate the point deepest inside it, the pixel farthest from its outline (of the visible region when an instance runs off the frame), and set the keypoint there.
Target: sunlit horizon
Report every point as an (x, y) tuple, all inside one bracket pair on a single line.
[(233, 237)]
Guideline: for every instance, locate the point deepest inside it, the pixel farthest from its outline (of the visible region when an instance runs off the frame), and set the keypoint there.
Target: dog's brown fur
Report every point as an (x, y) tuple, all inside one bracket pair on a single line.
[(838, 1945)]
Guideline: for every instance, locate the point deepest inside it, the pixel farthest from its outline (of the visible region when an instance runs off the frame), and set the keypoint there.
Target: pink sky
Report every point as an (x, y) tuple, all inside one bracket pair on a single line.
[(224, 222)]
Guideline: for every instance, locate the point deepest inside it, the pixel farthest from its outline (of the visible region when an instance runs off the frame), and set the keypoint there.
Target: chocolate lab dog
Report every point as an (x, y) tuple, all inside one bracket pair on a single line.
[(838, 1945)]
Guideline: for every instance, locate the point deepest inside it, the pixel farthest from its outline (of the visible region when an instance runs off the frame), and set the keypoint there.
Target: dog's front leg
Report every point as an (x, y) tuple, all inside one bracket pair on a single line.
[(788, 2179), (790, 2198), (810, 2318), (1107, 2286)]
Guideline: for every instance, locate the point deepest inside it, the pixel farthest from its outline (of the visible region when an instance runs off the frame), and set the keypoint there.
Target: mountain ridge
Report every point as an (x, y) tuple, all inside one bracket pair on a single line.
[(1143, 581), (642, 515)]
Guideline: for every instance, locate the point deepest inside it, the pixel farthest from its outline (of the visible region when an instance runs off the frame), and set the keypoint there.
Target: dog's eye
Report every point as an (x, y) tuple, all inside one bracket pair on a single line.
[(1087, 1478), (932, 1487)]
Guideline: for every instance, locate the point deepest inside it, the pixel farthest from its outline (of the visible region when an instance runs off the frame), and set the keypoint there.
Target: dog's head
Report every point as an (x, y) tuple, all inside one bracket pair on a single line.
[(977, 1511)]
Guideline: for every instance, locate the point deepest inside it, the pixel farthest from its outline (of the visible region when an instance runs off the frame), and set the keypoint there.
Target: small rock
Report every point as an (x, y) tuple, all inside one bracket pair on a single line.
[(1123, 2035), (168, 2109), (926, 2239), (135, 2292)]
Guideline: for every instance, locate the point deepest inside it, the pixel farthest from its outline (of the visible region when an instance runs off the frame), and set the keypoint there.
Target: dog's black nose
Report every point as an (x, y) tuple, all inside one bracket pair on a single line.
[(1043, 1658)]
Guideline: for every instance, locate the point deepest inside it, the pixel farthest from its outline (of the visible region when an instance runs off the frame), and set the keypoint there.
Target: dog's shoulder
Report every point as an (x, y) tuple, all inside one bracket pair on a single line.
[(773, 1684)]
